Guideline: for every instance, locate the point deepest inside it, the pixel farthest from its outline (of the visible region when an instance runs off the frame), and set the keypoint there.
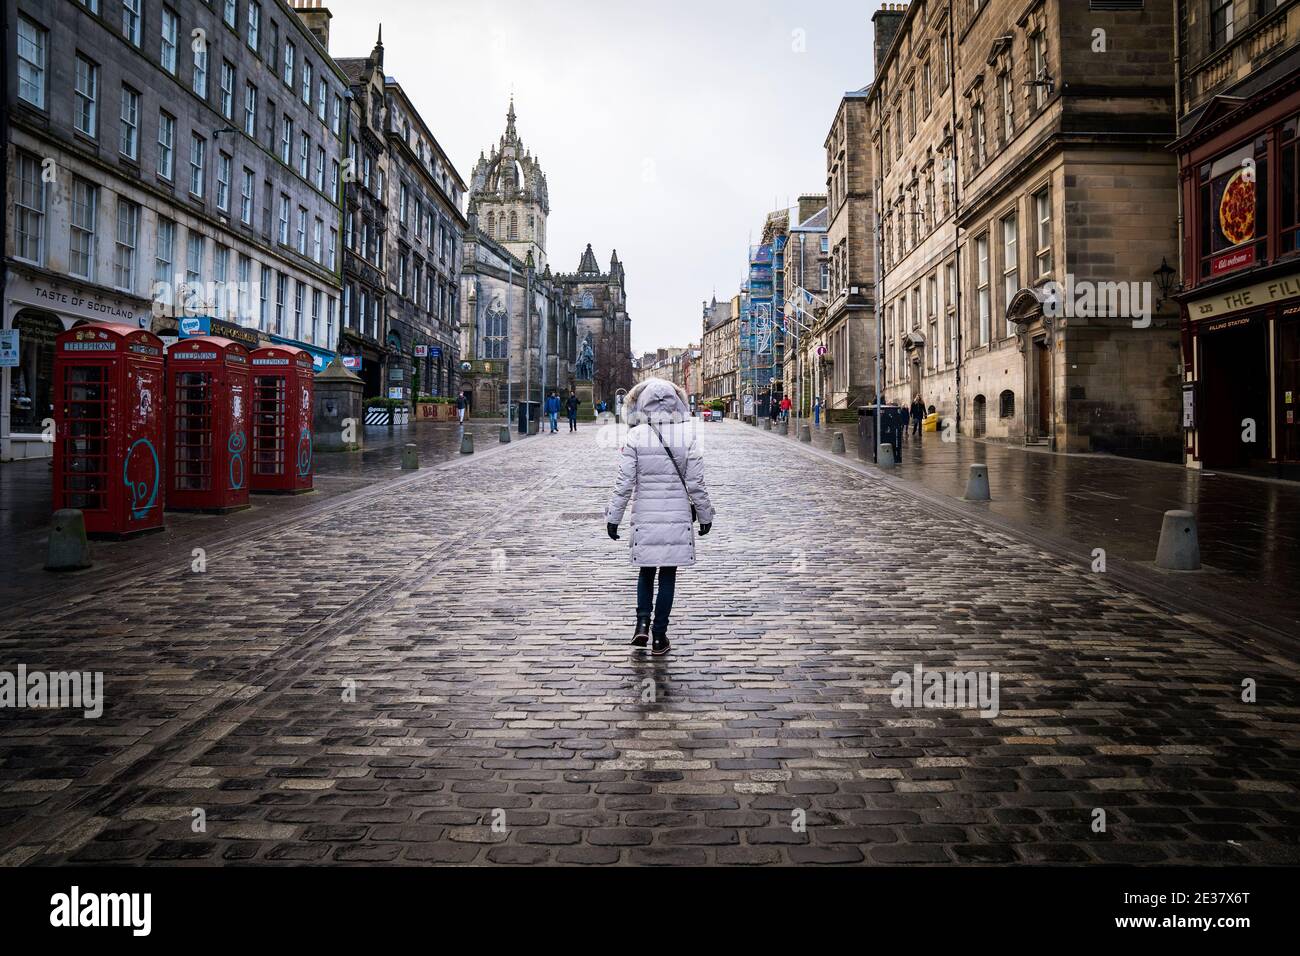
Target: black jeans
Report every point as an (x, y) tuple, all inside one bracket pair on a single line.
[(573, 421), (645, 596)]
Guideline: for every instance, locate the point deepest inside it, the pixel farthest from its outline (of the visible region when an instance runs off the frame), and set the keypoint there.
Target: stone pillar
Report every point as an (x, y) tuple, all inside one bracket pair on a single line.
[(339, 422)]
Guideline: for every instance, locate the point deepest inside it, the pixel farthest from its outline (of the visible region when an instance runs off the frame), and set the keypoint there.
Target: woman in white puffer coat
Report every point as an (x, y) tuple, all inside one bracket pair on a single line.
[(662, 474)]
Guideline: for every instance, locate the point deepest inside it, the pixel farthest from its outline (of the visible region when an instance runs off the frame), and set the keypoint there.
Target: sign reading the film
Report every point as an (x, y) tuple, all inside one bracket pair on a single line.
[(1250, 297)]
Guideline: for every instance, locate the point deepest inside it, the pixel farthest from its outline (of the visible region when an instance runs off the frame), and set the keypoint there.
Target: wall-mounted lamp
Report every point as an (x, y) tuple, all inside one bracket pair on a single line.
[(1165, 276)]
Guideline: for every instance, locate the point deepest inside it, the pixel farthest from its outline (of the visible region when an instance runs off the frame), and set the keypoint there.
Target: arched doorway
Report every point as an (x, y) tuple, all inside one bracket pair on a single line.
[(980, 416), (1035, 336)]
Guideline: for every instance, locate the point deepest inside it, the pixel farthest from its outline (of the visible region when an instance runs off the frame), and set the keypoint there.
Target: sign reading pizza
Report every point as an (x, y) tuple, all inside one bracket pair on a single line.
[(1231, 211)]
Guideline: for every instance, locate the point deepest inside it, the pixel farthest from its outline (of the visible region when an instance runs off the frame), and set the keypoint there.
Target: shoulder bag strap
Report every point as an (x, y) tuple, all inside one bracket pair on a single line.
[(673, 458)]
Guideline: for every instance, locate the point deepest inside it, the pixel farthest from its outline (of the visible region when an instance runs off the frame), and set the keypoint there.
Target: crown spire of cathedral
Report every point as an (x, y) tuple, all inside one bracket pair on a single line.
[(510, 120)]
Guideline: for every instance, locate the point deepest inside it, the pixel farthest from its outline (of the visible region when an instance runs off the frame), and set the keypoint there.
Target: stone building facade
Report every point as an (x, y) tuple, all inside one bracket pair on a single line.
[(720, 353), (525, 330), (843, 341), (806, 285), (363, 338), (163, 160), (1239, 259), (1018, 282), (599, 301), (425, 236)]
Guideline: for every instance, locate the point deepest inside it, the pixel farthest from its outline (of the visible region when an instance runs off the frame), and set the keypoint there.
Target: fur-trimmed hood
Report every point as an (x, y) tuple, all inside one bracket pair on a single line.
[(658, 401)]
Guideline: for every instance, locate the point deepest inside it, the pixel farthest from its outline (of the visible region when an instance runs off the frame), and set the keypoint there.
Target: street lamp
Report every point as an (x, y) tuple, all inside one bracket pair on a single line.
[(1164, 281)]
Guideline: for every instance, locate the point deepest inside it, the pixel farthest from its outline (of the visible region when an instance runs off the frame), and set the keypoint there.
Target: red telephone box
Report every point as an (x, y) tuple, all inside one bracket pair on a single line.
[(207, 429), (108, 428), (282, 418)]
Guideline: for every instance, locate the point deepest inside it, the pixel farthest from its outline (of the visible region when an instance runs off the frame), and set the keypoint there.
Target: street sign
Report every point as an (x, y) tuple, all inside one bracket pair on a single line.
[(435, 351), (192, 325), (422, 351), (9, 348)]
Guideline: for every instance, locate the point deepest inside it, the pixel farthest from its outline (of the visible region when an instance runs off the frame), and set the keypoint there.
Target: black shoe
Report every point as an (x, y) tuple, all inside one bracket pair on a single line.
[(660, 646), (642, 634)]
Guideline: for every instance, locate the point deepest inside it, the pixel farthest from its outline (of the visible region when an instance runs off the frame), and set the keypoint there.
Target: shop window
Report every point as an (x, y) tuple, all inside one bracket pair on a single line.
[(30, 398), (1289, 211)]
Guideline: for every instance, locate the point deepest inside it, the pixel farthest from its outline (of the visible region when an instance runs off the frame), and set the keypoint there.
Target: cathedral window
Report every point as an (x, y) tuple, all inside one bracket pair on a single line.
[(492, 224), (514, 225)]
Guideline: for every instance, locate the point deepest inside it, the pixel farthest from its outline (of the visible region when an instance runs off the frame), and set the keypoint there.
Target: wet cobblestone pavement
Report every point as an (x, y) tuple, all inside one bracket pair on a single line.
[(438, 671), (25, 494), (1249, 528)]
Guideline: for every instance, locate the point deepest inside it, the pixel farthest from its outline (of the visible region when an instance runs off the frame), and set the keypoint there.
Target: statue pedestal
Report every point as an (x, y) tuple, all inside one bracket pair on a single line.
[(586, 392)]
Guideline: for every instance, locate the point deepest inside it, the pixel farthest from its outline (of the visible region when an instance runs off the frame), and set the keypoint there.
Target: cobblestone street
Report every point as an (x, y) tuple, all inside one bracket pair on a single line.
[(465, 694)]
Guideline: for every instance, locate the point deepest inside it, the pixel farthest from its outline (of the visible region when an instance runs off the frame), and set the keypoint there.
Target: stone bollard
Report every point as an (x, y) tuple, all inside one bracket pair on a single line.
[(505, 434), (784, 428), (805, 433), (767, 424), (1180, 546), (837, 443), (410, 457), (977, 486), (886, 456), (467, 444), (68, 550)]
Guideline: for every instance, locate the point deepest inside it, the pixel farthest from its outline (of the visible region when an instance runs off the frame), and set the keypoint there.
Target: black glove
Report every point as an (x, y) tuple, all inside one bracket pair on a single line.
[(613, 530), (704, 529)]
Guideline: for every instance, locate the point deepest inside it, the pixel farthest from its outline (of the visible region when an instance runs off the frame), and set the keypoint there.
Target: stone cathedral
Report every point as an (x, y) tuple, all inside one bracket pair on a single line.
[(524, 329)]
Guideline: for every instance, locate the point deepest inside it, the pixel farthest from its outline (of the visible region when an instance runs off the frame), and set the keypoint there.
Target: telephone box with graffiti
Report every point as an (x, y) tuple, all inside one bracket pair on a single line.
[(282, 420), (108, 428), (207, 425)]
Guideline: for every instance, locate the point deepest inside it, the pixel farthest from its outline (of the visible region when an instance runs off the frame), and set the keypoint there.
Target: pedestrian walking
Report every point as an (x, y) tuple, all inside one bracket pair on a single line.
[(817, 412), (785, 408), (773, 410), (918, 415), (460, 408), (662, 474), (553, 412), (571, 406), (904, 413)]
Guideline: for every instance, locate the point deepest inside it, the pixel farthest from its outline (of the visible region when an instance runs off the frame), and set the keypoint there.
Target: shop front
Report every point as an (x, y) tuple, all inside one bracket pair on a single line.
[(1243, 393), (37, 308), (363, 358), (320, 358), (1240, 179)]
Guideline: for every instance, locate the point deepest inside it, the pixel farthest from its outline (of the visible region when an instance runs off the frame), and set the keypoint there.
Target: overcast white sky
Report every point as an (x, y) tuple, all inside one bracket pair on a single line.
[(667, 130)]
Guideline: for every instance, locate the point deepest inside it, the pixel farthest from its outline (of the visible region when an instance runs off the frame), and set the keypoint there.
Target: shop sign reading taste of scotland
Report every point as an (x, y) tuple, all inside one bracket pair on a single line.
[(69, 302), (1249, 297)]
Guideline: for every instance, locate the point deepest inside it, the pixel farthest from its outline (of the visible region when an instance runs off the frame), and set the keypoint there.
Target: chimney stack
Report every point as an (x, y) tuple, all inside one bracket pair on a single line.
[(316, 17), (886, 21), (809, 205)]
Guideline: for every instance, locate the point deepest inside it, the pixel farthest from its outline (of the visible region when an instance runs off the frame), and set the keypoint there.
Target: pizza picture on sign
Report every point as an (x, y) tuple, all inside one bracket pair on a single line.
[(1237, 209)]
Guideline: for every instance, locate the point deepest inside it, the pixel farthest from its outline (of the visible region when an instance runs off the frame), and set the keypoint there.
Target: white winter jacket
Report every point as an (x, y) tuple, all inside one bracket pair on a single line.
[(662, 533)]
